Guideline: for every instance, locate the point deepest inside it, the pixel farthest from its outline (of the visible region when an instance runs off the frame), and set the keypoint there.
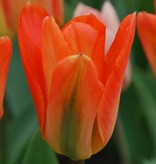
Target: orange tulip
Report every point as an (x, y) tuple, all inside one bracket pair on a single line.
[(5, 54), (146, 24), (75, 87), (12, 9)]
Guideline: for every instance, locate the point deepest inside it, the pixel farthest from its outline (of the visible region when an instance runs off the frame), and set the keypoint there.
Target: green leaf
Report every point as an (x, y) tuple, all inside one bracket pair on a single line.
[(17, 94), (19, 133), (38, 151), (152, 161), (19, 110), (146, 91)]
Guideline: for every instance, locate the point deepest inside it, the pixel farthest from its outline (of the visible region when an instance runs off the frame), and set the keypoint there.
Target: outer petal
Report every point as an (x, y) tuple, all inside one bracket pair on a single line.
[(123, 39), (146, 24), (54, 48), (73, 103), (87, 34), (5, 54), (30, 48), (117, 59)]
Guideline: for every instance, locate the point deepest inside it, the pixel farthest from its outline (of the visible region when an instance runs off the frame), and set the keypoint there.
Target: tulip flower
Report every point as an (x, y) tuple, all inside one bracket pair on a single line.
[(112, 24), (5, 54), (12, 10), (75, 86), (146, 24), (4, 28)]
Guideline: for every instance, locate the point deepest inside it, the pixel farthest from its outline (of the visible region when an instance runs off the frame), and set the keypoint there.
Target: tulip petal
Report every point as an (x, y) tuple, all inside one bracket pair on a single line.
[(81, 38), (120, 46), (117, 59), (146, 24), (90, 20), (29, 37), (5, 54), (87, 34), (74, 99), (54, 48)]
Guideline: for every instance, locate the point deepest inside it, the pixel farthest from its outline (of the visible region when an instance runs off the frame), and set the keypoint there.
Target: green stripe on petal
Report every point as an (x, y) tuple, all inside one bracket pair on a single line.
[(74, 99)]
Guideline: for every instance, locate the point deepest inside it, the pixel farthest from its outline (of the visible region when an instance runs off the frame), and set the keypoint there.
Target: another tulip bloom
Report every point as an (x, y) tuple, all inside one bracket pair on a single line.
[(5, 54), (146, 24), (4, 30), (109, 17), (75, 86), (12, 9)]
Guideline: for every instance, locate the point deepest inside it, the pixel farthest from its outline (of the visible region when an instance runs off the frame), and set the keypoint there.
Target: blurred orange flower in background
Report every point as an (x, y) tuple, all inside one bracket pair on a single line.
[(4, 30), (5, 54), (146, 23), (12, 9), (75, 86)]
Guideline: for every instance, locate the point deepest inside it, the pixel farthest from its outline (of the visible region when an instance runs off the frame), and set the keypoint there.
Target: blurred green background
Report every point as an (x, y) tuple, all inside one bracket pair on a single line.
[(134, 137)]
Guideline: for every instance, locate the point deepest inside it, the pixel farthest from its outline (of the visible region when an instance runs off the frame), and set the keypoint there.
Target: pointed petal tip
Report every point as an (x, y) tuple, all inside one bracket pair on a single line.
[(48, 19), (6, 41)]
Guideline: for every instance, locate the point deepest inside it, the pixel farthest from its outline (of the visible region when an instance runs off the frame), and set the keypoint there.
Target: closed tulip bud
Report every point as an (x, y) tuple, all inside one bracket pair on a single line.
[(75, 86)]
